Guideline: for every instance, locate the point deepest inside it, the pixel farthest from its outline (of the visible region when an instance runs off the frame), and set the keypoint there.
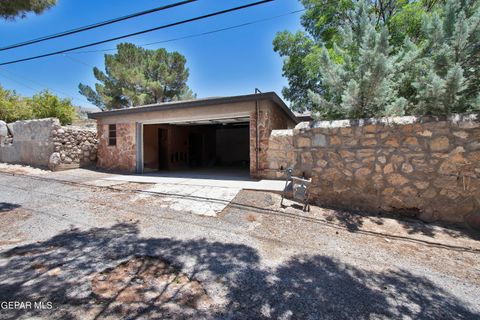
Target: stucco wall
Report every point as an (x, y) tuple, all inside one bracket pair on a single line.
[(425, 167), (31, 142), (45, 143)]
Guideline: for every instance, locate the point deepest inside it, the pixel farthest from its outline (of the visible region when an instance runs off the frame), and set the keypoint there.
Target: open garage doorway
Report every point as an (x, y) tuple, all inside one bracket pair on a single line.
[(208, 146)]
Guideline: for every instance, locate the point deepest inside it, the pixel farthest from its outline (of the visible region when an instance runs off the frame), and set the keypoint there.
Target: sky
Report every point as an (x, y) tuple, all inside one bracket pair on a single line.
[(232, 62)]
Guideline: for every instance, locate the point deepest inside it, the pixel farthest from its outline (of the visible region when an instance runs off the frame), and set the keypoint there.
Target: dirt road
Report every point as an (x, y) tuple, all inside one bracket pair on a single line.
[(93, 252)]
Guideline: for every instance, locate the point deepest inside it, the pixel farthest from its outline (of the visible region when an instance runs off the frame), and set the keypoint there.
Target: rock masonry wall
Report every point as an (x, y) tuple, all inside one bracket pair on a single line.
[(419, 166), (73, 147)]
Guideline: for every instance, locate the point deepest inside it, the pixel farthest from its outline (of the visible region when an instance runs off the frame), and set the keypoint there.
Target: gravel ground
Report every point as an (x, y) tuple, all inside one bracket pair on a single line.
[(58, 239)]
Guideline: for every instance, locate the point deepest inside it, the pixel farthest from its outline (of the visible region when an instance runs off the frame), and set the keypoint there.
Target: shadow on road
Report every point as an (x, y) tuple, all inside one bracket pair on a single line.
[(6, 206), (60, 270)]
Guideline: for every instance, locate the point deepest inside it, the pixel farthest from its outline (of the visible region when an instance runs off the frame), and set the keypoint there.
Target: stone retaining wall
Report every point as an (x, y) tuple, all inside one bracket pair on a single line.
[(424, 167), (45, 143), (74, 147)]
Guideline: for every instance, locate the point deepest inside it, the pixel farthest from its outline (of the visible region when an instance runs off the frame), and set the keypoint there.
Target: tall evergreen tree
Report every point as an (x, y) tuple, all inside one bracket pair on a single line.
[(135, 76), (11, 9), (360, 83), (366, 73), (450, 56), (322, 23)]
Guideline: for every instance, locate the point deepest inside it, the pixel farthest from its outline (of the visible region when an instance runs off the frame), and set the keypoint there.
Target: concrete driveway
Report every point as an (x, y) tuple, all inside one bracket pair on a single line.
[(202, 192), (101, 252)]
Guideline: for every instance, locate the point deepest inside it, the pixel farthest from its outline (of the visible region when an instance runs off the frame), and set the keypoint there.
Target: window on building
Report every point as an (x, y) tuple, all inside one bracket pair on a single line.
[(112, 134)]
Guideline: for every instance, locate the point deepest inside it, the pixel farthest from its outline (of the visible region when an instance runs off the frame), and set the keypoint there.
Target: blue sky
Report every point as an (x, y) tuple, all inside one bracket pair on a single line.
[(226, 63)]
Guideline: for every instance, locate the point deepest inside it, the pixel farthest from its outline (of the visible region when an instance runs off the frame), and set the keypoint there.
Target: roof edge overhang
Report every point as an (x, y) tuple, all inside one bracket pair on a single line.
[(198, 103)]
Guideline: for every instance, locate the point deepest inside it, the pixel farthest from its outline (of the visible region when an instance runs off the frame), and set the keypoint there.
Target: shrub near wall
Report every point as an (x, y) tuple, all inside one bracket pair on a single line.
[(425, 167)]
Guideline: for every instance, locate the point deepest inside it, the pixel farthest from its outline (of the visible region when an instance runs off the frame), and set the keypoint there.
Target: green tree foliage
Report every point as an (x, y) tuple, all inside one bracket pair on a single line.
[(369, 58), (11, 9), (47, 105), (445, 67), (42, 105), (13, 107), (360, 84), (135, 76)]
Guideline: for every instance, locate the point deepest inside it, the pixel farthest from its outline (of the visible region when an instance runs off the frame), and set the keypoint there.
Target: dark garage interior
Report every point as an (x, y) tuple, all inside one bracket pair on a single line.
[(204, 145)]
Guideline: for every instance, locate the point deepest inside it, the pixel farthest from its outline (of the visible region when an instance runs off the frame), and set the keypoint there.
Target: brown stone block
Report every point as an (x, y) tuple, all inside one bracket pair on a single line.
[(409, 192), (346, 154), (332, 174), (422, 184), (362, 172), (363, 153), (303, 142), (449, 193), (334, 157), (411, 141), (335, 140), (447, 182), (322, 163), (368, 160), (429, 193), (407, 128), (440, 144), (397, 159), (369, 142), (371, 128), (397, 179), (346, 131), (388, 191), (351, 142), (474, 157), (393, 142)]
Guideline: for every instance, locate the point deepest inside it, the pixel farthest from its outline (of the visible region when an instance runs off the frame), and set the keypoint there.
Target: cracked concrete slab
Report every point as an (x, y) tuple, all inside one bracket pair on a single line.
[(201, 200)]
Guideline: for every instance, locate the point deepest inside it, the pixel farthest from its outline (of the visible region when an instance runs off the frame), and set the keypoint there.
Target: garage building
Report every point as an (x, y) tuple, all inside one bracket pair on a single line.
[(225, 133)]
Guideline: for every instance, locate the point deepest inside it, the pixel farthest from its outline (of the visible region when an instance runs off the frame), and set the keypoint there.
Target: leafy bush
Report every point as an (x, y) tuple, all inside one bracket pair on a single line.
[(48, 105), (14, 107)]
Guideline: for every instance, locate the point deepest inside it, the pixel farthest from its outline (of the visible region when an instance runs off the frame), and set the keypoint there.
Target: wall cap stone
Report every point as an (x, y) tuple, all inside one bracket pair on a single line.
[(473, 118), (282, 133)]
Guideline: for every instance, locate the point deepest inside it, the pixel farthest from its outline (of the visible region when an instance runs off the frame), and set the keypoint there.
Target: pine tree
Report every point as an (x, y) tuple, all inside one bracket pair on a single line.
[(135, 76), (364, 76), (359, 82), (440, 75)]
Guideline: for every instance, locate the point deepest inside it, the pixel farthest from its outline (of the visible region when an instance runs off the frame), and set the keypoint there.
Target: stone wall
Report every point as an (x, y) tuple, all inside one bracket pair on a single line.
[(424, 167), (280, 154), (270, 118), (45, 143), (74, 147), (122, 156)]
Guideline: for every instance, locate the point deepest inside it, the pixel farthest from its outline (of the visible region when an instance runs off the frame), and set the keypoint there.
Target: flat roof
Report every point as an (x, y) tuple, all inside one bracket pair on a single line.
[(197, 103)]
